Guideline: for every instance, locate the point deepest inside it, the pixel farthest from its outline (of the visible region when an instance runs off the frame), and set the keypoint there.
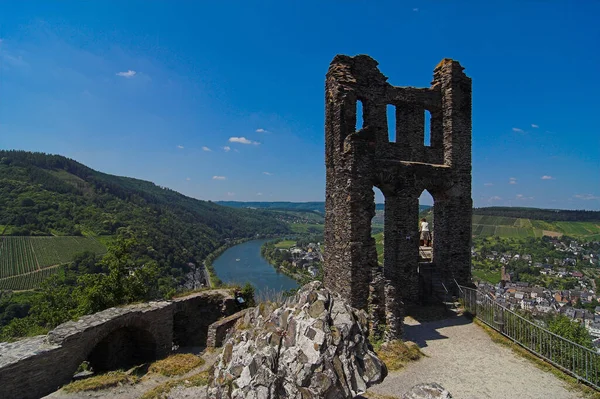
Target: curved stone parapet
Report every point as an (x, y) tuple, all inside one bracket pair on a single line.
[(113, 338)]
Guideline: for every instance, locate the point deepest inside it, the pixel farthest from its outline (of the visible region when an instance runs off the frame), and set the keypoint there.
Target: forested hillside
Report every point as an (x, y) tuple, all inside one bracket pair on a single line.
[(153, 233), (293, 206), (547, 215)]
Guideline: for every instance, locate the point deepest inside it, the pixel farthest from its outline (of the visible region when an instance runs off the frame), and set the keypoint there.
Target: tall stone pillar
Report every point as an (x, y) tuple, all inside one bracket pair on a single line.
[(453, 212), (350, 251)]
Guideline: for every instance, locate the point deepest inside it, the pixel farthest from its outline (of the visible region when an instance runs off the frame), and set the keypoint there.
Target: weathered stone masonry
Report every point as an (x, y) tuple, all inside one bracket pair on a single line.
[(113, 338), (357, 161)]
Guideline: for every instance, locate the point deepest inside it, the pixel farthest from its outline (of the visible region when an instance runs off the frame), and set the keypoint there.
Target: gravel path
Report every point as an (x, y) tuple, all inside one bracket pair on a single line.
[(464, 360)]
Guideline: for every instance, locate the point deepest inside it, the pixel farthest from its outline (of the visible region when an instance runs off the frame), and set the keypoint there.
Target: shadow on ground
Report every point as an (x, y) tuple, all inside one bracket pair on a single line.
[(421, 331)]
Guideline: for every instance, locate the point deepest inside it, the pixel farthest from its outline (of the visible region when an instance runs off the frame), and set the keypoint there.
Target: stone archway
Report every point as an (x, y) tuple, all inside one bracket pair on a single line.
[(123, 348)]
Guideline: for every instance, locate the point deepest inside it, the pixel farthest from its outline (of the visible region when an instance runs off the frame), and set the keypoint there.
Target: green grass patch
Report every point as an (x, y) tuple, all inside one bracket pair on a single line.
[(396, 354), (161, 391), (176, 364), (103, 381), (490, 276), (307, 228), (285, 244)]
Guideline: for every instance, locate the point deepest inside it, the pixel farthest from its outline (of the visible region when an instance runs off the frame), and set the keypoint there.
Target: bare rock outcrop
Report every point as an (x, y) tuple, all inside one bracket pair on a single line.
[(431, 390), (313, 346)]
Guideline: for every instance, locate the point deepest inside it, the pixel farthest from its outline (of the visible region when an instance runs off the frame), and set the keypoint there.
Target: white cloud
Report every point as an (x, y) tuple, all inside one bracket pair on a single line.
[(546, 177), (261, 130), (516, 129), (259, 194), (180, 147), (268, 173), (188, 179), (522, 197), (230, 194), (586, 197), (488, 184), (205, 148), (219, 178), (128, 74), (533, 125), (512, 180), (242, 140), (494, 198), (226, 148)]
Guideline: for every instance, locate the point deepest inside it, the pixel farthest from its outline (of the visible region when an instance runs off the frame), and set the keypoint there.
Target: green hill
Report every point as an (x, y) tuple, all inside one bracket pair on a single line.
[(53, 196)]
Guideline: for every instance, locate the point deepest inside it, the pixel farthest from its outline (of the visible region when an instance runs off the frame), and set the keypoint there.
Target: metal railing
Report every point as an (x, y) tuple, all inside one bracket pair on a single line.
[(577, 360)]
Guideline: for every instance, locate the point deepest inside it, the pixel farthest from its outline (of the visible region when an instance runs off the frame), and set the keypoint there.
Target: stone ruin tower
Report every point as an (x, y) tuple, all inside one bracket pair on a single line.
[(358, 159)]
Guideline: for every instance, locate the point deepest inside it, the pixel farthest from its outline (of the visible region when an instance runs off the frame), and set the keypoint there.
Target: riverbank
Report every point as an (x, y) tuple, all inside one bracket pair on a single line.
[(213, 280), (279, 257)]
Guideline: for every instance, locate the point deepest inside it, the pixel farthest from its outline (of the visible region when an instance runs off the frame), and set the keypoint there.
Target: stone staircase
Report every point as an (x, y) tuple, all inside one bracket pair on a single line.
[(425, 254)]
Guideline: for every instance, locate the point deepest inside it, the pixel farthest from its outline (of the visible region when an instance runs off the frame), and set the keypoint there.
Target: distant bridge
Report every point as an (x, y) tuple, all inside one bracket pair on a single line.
[(111, 339)]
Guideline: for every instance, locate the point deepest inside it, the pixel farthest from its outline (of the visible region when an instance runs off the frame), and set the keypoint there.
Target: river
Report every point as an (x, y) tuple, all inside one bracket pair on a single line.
[(243, 263)]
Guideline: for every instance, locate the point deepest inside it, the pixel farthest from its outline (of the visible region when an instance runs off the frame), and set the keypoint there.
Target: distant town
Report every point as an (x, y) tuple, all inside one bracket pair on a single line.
[(550, 275)]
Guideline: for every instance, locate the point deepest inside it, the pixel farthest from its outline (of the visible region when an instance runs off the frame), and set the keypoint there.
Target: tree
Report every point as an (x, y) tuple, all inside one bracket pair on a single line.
[(573, 331)]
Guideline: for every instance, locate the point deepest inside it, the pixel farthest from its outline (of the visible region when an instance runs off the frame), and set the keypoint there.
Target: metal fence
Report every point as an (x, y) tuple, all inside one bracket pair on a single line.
[(581, 362)]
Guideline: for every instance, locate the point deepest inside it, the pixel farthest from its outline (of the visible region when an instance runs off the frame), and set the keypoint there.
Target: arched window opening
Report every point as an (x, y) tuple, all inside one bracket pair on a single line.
[(377, 223), (359, 115), (426, 226), (427, 133), (391, 122)]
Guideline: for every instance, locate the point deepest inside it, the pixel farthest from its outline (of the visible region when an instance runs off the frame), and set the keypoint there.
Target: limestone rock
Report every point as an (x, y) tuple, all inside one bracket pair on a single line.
[(431, 390), (313, 346)]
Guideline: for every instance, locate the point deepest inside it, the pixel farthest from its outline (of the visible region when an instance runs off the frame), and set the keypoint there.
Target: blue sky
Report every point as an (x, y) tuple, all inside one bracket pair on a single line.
[(225, 100)]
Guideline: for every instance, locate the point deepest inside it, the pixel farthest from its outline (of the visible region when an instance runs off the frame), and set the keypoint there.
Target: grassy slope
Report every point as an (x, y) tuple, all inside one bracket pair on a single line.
[(522, 228)]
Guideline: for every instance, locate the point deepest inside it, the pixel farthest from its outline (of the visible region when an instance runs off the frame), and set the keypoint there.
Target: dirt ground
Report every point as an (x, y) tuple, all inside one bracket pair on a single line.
[(462, 358)]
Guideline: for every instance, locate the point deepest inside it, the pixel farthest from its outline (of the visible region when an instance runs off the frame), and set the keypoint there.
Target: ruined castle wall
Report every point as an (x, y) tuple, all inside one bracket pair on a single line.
[(34, 367), (357, 160)]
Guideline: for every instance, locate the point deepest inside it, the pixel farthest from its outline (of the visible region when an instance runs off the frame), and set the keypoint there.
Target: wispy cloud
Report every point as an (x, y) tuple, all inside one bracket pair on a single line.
[(230, 194), (227, 148), (522, 197), (242, 140), (586, 197), (261, 130), (268, 173), (128, 74), (205, 148), (546, 177), (494, 198), (180, 147), (9, 58), (219, 178), (533, 125), (517, 130), (415, 9), (512, 180), (488, 184), (259, 194), (188, 179)]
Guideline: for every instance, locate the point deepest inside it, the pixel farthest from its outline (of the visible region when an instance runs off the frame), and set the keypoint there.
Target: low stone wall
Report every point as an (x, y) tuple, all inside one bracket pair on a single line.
[(217, 331), (34, 367)]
